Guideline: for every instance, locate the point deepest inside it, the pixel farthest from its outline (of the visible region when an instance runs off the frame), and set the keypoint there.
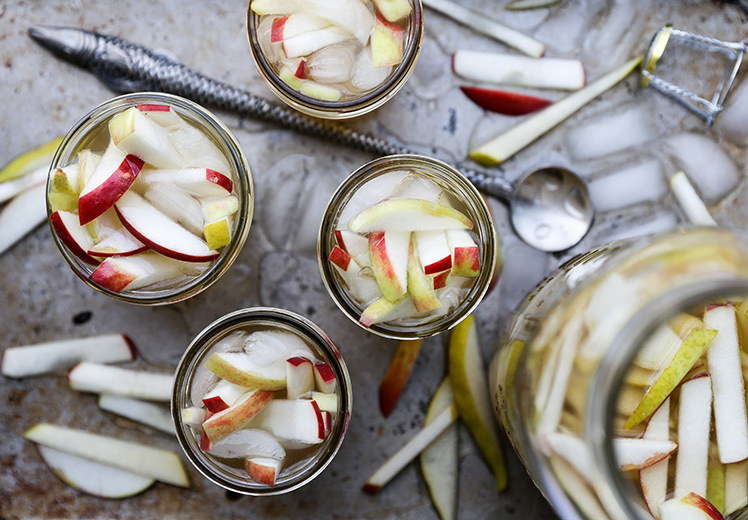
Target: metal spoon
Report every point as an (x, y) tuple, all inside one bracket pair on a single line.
[(550, 208)]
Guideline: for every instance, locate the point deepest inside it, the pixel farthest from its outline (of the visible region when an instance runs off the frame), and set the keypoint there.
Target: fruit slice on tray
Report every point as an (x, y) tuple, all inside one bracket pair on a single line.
[(397, 375), (138, 384), (150, 414), (505, 102)]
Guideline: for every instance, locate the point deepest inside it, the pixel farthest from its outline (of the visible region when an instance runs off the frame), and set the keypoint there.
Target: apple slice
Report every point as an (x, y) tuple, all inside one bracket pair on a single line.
[(299, 377), (248, 442), (88, 162), (320, 91), (119, 242), (634, 453), (13, 187), (465, 253), (28, 161), (219, 207), (240, 369), (164, 115), (161, 233), (128, 273), (136, 134), (689, 199), (53, 356), (383, 310), (71, 233), (433, 251), (263, 470), (653, 480), (505, 102), (440, 459), (352, 16), (223, 423), (197, 151), (94, 478), (694, 424), (510, 69), (518, 137), (393, 10), (65, 180), (362, 284), (735, 487), (573, 450), (222, 395), (112, 178), (289, 26), (218, 234), (468, 375), (178, 205), (306, 43), (201, 182), (397, 375), (193, 416), (689, 507), (296, 423), (151, 414), (97, 378), (22, 215), (325, 380), (355, 245), (411, 449), (659, 348), (386, 43), (157, 463), (265, 7), (420, 285), (689, 352), (388, 251), (408, 215), (723, 359)]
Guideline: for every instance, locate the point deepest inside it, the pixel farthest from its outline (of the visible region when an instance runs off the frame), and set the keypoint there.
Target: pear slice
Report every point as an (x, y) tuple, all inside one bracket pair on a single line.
[(694, 425), (689, 352), (40, 156), (397, 374), (440, 459), (736, 487), (468, 373), (653, 480)]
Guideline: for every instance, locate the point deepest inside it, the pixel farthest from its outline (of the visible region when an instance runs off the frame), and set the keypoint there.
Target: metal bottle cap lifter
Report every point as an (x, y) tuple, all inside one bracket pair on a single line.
[(708, 109)]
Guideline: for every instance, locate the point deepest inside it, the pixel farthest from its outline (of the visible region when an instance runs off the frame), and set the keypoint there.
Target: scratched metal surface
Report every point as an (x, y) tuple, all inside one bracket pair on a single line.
[(41, 299)]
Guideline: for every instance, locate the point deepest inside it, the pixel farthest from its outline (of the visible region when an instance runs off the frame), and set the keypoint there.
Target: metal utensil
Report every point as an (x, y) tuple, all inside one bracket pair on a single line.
[(125, 66)]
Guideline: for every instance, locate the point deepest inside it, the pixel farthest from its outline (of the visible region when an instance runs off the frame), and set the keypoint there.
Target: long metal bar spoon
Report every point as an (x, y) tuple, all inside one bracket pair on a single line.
[(550, 209)]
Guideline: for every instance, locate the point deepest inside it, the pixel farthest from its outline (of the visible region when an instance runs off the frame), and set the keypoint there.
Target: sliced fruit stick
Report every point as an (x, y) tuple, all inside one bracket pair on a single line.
[(94, 478), (411, 449), (151, 414), (299, 377), (658, 349), (389, 261), (715, 483), (653, 480), (510, 69), (736, 487), (325, 380), (465, 253), (128, 273), (240, 369), (694, 424), (21, 215), (157, 463), (574, 450), (488, 27), (578, 489), (202, 182), (636, 454), (11, 188), (691, 506), (723, 360), (689, 352), (74, 235), (249, 442), (408, 215), (227, 421), (135, 133), (27, 162), (523, 5), (355, 245), (393, 10), (262, 469), (516, 138), (383, 310), (440, 459), (296, 423), (421, 286), (193, 415), (326, 402), (397, 375), (98, 378), (52, 356), (468, 374), (692, 204)]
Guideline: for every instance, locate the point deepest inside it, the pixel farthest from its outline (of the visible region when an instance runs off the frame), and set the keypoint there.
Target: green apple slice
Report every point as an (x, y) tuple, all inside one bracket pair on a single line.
[(468, 373), (240, 369), (516, 138), (27, 162), (689, 352)]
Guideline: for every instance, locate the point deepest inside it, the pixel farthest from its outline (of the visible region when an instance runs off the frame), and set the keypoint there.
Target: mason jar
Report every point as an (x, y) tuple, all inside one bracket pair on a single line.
[(332, 93), (412, 177), (607, 378), (207, 146), (193, 378)]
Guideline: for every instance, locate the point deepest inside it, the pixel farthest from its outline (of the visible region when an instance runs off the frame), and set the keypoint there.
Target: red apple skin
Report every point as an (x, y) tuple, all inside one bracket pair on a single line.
[(440, 279), (68, 240), (276, 29), (340, 258), (223, 423), (397, 375), (94, 203), (301, 70), (220, 179), (467, 261), (439, 266), (504, 102), (110, 278), (131, 345), (147, 107), (215, 404), (702, 503), (320, 420), (260, 472), (324, 372), (384, 271)]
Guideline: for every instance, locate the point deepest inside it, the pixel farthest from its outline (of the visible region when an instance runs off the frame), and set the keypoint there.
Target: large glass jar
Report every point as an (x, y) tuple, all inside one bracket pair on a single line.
[(606, 354)]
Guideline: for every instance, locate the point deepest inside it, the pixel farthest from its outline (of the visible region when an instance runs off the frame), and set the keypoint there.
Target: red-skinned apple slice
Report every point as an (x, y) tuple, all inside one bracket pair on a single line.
[(152, 462), (363, 286), (138, 384), (45, 358), (420, 285), (518, 137), (221, 424), (136, 134), (465, 253), (397, 375), (694, 425), (178, 205), (296, 423), (433, 251), (223, 395), (340, 258), (164, 115), (653, 480), (299, 377), (93, 478), (325, 380), (288, 26), (386, 44), (723, 359), (22, 215), (505, 102), (388, 251), (283, 7), (240, 369), (408, 215), (393, 10), (202, 182), (193, 416), (112, 178), (161, 233), (638, 453), (111, 237), (382, 310), (691, 506), (150, 414), (75, 237), (441, 280), (127, 273), (263, 470), (355, 245)]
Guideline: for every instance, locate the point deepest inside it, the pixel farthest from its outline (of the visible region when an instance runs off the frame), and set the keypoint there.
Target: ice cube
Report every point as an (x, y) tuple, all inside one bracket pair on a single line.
[(285, 183), (432, 75), (710, 169), (273, 51), (732, 122), (610, 133), (416, 187), (334, 63), (643, 225), (312, 208), (351, 15), (365, 75), (632, 185), (197, 149), (611, 38), (565, 27), (370, 193), (524, 266)]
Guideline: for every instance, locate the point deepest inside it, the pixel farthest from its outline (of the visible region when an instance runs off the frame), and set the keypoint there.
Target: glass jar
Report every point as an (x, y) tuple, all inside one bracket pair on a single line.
[(568, 378), (190, 277), (408, 176), (190, 383), (296, 89)]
